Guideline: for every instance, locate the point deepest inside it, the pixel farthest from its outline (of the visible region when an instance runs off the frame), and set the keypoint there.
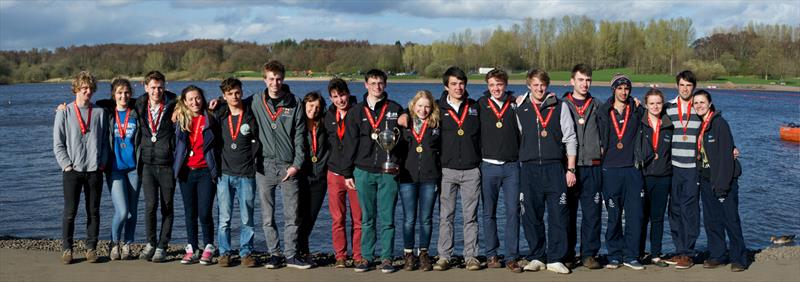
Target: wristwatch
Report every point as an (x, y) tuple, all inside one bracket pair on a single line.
[(571, 170)]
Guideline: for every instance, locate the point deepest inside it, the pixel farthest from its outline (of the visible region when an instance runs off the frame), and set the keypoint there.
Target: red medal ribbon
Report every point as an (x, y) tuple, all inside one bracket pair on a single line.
[(656, 130), (84, 125), (580, 110), (544, 122), (460, 120), (196, 131), (502, 112), (273, 117), (122, 130), (619, 132), (235, 134), (688, 114), (372, 121), (154, 126), (703, 131), (340, 126), (314, 139), (421, 134)]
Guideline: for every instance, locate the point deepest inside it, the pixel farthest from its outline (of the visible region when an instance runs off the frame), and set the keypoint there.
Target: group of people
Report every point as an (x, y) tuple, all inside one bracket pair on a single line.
[(548, 154)]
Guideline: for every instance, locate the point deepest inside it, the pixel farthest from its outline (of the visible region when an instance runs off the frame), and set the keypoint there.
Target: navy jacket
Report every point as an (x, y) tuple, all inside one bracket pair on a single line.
[(460, 152), (661, 166), (642, 151), (210, 147), (718, 145), (420, 167)]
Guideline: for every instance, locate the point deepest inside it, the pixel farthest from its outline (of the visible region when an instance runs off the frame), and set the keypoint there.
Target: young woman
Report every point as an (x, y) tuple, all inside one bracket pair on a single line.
[(314, 173), (195, 167), (718, 172), (122, 178), (657, 130), (419, 176)]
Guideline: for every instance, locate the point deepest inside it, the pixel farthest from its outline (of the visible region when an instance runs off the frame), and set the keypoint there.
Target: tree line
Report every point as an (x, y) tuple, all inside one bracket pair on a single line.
[(662, 46)]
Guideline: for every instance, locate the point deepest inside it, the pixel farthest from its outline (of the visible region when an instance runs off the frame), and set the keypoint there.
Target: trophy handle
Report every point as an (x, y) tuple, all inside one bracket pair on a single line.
[(396, 135)]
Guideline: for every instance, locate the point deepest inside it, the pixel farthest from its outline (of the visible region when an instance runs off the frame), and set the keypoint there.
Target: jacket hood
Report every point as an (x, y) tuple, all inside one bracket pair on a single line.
[(508, 93), (549, 99)]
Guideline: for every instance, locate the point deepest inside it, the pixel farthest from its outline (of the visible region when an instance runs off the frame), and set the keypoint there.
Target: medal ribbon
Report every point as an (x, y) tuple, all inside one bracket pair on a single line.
[(619, 132), (656, 130), (502, 112), (580, 110), (84, 126), (372, 121), (196, 131), (688, 114), (340, 127), (421, 134), (154, 126), (703, 130), (314, 139), (273, 117), (544, 122), (235, 134), (122, 130), (460, 120)]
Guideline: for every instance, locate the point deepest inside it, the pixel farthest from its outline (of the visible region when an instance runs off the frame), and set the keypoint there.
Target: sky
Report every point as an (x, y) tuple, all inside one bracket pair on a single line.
[(61, 23)]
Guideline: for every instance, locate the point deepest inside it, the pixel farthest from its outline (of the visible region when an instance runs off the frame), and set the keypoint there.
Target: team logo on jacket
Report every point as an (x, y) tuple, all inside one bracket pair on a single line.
[(287, 112), (245, 129), (611, 203), (711, 139), (563, 199), (391, 115), (721, 200), (472, 112), (597, 198)]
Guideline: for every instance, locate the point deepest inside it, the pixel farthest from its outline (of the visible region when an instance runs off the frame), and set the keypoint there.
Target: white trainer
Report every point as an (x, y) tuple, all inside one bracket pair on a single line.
[(558, 267), (534, 265)]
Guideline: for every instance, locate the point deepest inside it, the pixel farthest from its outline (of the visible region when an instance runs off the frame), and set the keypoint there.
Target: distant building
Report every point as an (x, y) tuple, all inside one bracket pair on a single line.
[(484, 70)]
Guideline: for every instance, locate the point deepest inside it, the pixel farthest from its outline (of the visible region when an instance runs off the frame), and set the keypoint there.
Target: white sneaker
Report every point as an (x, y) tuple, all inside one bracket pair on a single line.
[(534, 265), (558, 267)]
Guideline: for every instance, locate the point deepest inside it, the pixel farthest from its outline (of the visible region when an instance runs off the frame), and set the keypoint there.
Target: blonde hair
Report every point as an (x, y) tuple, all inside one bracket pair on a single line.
[(84, 77), (184, 114), (433, 117)]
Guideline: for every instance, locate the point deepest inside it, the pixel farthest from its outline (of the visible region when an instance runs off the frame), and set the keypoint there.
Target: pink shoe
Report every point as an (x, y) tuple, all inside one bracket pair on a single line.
[(208, 254), (189, 257)]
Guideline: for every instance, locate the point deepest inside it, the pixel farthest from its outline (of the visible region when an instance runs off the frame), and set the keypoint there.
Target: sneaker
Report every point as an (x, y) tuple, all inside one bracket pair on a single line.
[(224, 260), (340, 263), (66, 257), (159, 255), (297, 262), (147, 252), (494, 262), (91, 255), (249, 261), (309, 258), (634, 264), (613, 264), (591, 263), (189, 257), (685, 262), (534, 265), (208, 255), (472, 264), (115, 252), (274, 262), (711, 264), (408, 261), (735, 267), (657, 261), (125, 251), (673, 260), (387, 266), (362, 266), (425, 261), (558, 267), (513, 266), (570, 264), (444, 264)]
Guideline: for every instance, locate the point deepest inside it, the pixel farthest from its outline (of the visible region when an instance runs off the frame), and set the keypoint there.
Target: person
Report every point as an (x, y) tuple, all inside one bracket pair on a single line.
[(500, 168), (80, 145), (657, 130), (281, 125), (155, 162), (238, 129), (196, 169), (719, 172), (460, 158), (377, 188), (122, 179), (340, 196), (313, 174), (419, 177), (587, 193), (623, 187), (548, 137)]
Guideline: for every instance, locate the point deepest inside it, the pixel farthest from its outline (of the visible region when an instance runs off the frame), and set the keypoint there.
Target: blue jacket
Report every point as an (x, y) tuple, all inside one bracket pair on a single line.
[(210, 147)]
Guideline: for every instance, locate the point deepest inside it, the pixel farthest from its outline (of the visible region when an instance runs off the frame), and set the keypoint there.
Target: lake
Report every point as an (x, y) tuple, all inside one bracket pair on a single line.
[(31, 201)]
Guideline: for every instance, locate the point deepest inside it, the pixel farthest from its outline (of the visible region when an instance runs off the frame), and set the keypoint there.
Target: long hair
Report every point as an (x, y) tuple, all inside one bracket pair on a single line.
[(433, 117), (313, 97), (184, 114)]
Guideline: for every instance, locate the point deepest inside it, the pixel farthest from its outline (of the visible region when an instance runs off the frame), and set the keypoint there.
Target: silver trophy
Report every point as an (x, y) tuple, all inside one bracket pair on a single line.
[(387, 139)]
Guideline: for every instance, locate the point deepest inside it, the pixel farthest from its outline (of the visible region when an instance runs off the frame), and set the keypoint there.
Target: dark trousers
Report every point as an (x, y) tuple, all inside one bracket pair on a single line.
[(684, 210), (623, 189), (721, 217), (158, 184), (312, 194), (92, 185), (586, 194), (494, 178), (198, 191), (656, 196), (544, 186)]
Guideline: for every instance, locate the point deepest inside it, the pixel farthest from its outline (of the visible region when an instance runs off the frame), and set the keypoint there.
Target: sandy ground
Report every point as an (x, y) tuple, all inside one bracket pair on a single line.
[(34, 265)]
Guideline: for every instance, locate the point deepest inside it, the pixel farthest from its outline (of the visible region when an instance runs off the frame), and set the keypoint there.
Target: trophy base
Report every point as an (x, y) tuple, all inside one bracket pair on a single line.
[(391, 168)]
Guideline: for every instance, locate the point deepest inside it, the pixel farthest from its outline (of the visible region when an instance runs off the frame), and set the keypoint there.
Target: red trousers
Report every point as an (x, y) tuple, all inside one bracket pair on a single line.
[(338, 194)]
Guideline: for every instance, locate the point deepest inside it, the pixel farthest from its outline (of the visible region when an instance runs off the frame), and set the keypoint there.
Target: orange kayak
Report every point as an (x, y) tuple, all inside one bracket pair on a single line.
[(790, 133)]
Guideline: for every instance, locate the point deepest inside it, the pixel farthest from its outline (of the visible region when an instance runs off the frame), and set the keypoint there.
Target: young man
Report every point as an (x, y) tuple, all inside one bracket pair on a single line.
[(377, 189), (499, 168), (460, 158), (281, 125), (239, 131), (338, 193), (623, 185), (80, 144), (587, 191), (548, 135), (155, 162)]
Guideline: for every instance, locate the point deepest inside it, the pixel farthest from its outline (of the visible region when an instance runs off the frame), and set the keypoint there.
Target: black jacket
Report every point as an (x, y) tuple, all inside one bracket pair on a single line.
[(500, 144), (460, 152), (360, 150), (242, 160), (336, 162), (160, 152), (315, 171), (661, 166), (718, 145), (420, 167), (534, 147), (642, 151)]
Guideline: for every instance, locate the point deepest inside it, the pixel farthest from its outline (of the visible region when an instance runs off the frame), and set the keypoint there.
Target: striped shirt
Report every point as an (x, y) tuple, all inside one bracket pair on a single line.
[(683, 152)]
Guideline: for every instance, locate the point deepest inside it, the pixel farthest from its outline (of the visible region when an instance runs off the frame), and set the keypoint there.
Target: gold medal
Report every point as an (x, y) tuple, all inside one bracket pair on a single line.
[(419, 149), (581, 120), (544, 133), (499, 124), (685, 138), (619, 146), (460, 132), (314, 159)]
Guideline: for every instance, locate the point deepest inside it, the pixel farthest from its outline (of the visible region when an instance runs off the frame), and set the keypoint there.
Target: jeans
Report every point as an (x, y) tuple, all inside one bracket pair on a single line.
[(623, 189), (468, 184), (124, 186), (684, 210), (92, 185), (197, 191), (158, 185), (655, 204), (494, 178), (338, 197), (377, 194), (311, 197), (244, 189), (721, 217), (413, 195), (267, 182)]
